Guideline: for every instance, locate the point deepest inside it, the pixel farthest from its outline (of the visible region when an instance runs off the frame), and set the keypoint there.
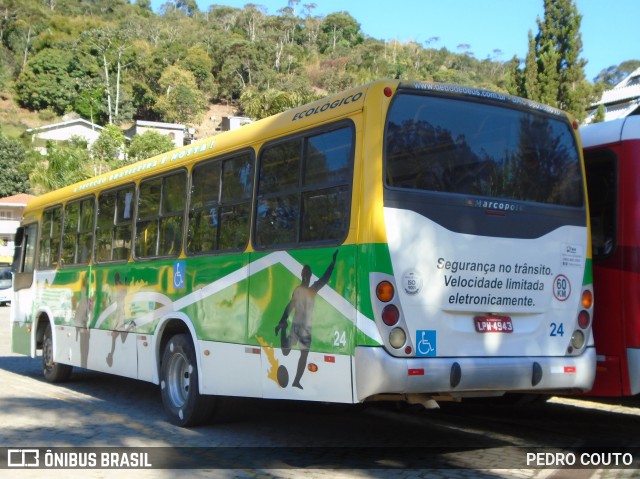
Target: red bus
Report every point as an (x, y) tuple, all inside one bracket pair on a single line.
[(612, 158)]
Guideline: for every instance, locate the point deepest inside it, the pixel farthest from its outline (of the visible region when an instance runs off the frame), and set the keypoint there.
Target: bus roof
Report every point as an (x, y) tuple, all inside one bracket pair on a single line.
[(321, 111), (613, 131), (484, 94)]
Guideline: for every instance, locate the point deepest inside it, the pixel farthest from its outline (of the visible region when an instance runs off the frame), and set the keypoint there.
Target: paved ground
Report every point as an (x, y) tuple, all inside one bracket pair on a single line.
[(97, 410)]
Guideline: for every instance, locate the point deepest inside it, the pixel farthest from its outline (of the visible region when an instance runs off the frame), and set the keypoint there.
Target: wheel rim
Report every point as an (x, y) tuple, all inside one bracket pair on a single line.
[(178, 379)]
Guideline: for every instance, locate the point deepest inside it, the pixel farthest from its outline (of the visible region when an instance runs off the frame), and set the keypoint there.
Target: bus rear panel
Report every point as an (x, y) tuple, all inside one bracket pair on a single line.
[(489, 284)]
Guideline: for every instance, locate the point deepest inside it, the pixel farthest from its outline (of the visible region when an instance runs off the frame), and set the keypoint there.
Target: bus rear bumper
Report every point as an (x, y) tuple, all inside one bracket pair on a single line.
[(377, 372)]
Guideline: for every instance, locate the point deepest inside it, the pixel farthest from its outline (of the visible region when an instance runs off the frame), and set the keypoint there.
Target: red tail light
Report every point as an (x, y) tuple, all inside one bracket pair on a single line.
[(390, 315), (584, 319)]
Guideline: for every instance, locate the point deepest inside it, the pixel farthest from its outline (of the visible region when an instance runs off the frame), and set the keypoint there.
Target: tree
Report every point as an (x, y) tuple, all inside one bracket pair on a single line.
[(529, 87), (339, 30), (554, 71), (63, 165), (181, 101), (144, 4), (53, 79), (107, 151), (200, 64), (261, 104), (613, 75), (13, 179), (148, 144), (108, 46), (600, 114), (190, 7), (250, 19)]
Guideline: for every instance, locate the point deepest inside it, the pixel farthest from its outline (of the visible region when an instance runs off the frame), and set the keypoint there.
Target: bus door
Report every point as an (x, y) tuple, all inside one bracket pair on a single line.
[(24, 293)]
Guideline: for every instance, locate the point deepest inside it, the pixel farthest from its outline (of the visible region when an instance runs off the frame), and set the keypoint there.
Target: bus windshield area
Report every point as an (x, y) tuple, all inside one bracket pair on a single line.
[(5, 274), (472, 148)]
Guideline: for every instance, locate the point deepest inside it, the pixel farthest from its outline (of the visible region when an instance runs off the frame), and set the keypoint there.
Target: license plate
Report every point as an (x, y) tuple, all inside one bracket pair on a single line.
[(493, 324)]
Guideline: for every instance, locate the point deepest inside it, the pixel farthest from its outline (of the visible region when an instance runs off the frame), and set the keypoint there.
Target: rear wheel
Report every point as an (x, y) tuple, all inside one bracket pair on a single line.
[(53, 372), (179, 384)]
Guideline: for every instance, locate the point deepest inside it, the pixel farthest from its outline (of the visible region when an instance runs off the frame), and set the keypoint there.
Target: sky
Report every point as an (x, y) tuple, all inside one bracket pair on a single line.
[(494, 29)]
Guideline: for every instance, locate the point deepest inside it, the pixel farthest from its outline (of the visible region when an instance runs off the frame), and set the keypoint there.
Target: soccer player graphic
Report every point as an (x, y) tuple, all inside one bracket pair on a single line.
[(123, 326), (302, 301)]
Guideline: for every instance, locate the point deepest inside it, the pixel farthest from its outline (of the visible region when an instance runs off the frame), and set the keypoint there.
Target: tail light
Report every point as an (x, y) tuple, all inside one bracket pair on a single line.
[(577, 340), (587, 299), (385, 291), (584, 319), (390, 315), (397, 338)]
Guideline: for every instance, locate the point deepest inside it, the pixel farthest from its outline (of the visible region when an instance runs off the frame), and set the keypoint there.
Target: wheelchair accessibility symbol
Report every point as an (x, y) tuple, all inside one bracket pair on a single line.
[(425, 342), (179, 268)]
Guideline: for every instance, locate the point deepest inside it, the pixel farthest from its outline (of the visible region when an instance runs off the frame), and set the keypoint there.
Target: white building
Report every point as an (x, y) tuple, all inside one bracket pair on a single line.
[(621, 101), (64, 131), (233, 122), (175, 131), (11, 209)]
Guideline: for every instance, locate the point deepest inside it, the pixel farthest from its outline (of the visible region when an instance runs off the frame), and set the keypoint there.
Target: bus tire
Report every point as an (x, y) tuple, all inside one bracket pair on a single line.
[(53, 372), (179, 384)]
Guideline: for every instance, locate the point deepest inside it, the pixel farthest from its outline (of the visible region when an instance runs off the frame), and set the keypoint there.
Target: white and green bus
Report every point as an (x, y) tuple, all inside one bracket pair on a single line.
[(402, 240)]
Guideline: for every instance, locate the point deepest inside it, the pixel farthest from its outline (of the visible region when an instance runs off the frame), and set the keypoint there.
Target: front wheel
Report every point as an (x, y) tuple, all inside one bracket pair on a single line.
[(179, 384), (53, 372)]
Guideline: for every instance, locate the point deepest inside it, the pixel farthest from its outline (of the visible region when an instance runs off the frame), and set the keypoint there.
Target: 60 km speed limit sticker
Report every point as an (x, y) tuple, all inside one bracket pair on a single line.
[(561, 287)]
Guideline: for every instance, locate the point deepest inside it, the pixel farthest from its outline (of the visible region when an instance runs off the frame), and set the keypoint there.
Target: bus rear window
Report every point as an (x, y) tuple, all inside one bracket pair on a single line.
[(455, 146)]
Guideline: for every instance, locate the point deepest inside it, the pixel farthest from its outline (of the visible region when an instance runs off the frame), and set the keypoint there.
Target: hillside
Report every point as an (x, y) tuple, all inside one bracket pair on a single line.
[(115, 62), (211, 119), (14, 120)]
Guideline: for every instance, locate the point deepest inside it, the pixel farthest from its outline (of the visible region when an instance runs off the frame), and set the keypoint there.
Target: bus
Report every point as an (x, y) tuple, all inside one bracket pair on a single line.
[(612, 159), (6, 280), (400, 240)]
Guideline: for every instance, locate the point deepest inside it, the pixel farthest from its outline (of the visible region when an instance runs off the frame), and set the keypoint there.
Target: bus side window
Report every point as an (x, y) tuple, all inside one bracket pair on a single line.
[(172, 215), (114, 228), (326, 196), (278, 206), (77, 239), (304, 189), (50, 238), (220, 205), (203, 207), (160, 219), (602, 188)]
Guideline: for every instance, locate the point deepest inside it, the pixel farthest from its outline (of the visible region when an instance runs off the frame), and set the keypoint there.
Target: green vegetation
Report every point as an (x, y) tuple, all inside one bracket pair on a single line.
[(14, 178), (112, 61), (148, 144), (553, 73)]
